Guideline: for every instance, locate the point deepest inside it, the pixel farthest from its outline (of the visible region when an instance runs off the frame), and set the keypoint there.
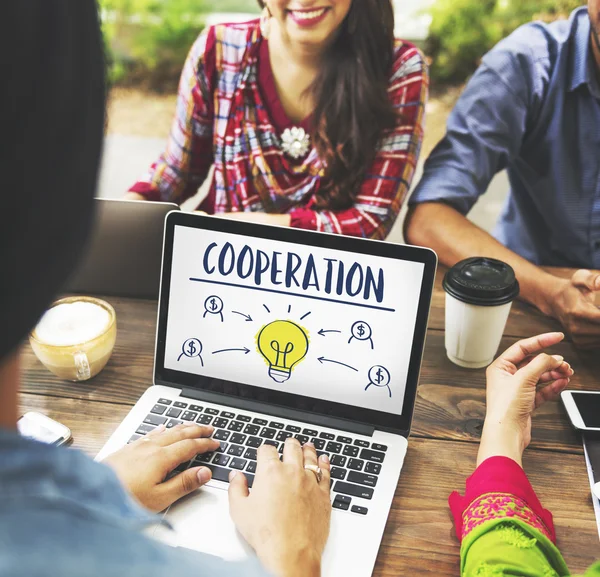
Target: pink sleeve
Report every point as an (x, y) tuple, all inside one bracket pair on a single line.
[(499, 488)]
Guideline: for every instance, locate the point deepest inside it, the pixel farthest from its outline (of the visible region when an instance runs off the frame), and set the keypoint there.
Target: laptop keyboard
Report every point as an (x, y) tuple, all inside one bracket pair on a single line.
[(355, 463)]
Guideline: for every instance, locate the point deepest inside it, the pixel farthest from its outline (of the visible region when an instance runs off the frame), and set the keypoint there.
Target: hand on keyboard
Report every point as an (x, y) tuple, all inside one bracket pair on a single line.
[(286, 517), (143, 465)]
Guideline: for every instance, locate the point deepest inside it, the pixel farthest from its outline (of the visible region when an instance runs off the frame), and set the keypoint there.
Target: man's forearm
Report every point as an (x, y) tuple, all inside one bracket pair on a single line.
[(454, 238)]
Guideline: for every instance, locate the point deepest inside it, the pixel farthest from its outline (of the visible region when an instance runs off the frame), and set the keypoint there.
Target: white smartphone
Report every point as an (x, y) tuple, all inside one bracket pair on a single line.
[(44, 429), (583, 408)]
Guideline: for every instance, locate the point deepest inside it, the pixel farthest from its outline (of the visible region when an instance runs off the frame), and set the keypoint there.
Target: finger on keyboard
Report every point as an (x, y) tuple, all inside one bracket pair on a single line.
[(157, 431), (184, 431), (292, 453), (187, 449), (267, 456)]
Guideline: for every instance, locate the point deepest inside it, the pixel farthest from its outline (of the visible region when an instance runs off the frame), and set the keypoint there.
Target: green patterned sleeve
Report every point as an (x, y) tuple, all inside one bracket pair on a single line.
[(503, 547)]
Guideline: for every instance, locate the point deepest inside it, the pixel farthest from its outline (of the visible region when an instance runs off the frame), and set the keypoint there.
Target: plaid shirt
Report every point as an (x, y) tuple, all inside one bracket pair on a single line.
[(225, 117)]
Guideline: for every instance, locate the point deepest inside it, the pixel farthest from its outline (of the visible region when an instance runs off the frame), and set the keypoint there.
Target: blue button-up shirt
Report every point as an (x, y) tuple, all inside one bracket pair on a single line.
[(532, 107), (62, 514)]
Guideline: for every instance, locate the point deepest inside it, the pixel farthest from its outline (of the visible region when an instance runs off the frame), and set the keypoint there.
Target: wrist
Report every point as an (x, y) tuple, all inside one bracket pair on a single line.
[(304, 568), (546, 293), (297, 563), (501, 439)]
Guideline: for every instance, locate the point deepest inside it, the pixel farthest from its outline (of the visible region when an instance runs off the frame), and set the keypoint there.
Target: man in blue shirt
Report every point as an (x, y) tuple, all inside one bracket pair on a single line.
[(60, 512), (533, 108)]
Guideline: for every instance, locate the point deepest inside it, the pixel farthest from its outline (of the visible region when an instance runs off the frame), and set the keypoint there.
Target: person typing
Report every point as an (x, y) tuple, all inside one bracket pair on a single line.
[(60, 512)]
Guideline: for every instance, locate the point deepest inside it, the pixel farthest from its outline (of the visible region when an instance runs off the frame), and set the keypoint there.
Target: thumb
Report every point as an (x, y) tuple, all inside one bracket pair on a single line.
[(585, 279), (541, 364), (238, 491), (184, 483)]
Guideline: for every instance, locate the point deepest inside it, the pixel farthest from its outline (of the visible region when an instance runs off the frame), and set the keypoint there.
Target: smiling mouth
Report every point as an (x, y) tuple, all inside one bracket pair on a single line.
[(308, 15)]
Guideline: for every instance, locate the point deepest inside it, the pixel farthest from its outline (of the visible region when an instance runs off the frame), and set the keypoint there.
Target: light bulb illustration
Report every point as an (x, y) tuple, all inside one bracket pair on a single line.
[(283, 344)]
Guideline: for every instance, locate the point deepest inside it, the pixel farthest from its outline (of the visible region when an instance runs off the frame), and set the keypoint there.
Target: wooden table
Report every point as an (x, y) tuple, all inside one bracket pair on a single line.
[(442, 449)]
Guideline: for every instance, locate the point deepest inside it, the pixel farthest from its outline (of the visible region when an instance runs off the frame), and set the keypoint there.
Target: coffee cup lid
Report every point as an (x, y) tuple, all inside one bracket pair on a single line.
[(482, 281)]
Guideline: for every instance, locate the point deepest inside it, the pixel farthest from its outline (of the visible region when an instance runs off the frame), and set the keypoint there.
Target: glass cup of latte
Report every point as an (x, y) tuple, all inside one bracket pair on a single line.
[(75, 337)]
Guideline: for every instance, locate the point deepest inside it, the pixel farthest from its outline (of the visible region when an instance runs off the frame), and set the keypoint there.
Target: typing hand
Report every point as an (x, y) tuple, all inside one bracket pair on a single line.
[(143, 465), (573, 305), (518, 381), (286, 517)]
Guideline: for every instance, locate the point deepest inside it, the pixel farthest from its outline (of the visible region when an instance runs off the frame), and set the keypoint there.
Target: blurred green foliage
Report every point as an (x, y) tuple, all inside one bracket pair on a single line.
[(462, 31), (147, 40)]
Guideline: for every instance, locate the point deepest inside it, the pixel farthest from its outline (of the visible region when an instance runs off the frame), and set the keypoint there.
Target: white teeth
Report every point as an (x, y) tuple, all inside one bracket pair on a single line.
[(309, 15)]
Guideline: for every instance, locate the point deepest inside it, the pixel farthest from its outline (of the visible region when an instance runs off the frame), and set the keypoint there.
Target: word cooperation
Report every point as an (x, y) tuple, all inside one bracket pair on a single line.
[(326, 275)]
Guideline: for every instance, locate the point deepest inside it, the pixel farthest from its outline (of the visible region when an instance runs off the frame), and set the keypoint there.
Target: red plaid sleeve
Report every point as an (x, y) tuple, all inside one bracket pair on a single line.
[(183, 167), (388, 180)]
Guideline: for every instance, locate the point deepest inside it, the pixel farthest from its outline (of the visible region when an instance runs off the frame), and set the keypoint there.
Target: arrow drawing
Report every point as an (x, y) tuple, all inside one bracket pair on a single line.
[(245, 349), (323, 331), (247, 317), (324, 360)]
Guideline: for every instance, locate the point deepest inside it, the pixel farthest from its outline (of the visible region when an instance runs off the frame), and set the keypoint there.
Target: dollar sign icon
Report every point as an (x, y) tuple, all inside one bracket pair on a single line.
[(361, 330), (379, 376), (190, 349), (213, 305)]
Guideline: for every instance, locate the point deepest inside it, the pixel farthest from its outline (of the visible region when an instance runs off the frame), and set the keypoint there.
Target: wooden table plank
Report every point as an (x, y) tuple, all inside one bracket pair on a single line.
[(91, 423), (419, 531)]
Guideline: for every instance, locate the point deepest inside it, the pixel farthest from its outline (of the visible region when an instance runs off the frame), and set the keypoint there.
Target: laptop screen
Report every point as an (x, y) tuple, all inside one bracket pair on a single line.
[(300, 320)]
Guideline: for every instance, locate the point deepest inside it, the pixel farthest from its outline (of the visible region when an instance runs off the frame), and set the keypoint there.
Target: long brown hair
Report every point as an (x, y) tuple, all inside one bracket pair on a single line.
[(352, 108)]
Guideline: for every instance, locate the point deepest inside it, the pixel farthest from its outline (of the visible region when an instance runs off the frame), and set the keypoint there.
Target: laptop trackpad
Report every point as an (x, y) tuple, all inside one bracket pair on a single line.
[(201, 522)]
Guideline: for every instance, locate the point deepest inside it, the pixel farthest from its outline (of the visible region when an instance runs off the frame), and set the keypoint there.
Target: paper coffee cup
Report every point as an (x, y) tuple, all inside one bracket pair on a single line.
[(479, 296)]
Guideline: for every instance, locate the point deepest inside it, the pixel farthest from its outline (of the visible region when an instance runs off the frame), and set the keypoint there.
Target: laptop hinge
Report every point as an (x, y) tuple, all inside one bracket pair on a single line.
[(282, 412)]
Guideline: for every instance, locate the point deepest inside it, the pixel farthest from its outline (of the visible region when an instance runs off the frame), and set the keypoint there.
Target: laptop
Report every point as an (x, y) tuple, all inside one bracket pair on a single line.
[(268, 332), (123, 257)]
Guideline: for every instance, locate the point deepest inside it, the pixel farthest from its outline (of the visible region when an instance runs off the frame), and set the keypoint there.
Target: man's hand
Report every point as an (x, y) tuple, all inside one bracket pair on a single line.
[(518, 381), (143, 465), (573, 305), (286, 517)]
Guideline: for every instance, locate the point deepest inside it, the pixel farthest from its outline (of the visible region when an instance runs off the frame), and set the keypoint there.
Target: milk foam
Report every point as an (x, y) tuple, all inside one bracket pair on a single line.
[(72, 323)]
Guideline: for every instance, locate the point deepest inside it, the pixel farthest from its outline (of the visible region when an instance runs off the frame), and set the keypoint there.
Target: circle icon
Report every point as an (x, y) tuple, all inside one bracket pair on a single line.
[(361, 331), (379, 376), (191, 348), (213, 305)]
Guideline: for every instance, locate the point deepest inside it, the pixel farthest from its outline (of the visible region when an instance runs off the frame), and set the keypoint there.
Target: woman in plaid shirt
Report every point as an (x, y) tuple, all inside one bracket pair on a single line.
[(312, 117)]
